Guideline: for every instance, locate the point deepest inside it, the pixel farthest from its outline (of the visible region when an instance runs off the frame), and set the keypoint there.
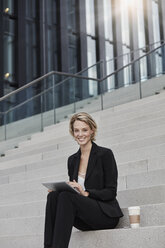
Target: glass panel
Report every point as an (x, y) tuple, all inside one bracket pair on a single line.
[(69, 96), (143, 69), (155, 85), (86, 102), (155, 19), (2, 127), (72, 36), (90, 17), (31, 6), (125, 22), (9, 51), (143, 88), (156, 33), (72, 53), (91, 46), (31, 51), (158, 58), (71, 12), (108, 20), (123, 94), (110, 65), (24, 126), (140, 22), (8, 6), (52, 35), (64, 99), (51, 16), (128, 69)]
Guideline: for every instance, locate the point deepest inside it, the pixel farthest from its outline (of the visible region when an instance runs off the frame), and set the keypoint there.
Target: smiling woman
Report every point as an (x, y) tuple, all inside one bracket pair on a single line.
[(93, 172)]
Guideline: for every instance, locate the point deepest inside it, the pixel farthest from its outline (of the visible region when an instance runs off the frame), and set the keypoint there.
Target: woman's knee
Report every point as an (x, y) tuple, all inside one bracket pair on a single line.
[(52, 195)]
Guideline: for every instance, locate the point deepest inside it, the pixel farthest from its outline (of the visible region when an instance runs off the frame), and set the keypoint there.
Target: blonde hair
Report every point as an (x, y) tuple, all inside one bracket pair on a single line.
[(85, 117)]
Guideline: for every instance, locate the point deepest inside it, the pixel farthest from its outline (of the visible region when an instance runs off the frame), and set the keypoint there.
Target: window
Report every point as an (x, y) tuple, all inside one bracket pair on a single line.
[(156, 33), (141, 39), (125, 7), (91, 44), (72, 36), (109, 47)]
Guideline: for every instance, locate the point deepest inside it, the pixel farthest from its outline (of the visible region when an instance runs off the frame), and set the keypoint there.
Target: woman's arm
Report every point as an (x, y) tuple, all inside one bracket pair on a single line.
[(109, 191)]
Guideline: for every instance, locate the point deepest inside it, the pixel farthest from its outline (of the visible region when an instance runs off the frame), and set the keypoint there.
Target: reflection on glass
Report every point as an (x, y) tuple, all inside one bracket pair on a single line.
[(71, 12), (72, 36), (51, 27), (126, 40), (108, 20), (156, 32), (91, 47), (108, 43), (125, 22), (91, 43), (8, 6), (31, 50), (9, 56), (90, 17), (30, 8), (110, 66), (72, 53), (141, 39)]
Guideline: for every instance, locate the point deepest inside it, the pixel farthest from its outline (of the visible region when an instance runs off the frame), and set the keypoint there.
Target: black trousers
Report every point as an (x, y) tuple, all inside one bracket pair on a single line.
[(65, 210)]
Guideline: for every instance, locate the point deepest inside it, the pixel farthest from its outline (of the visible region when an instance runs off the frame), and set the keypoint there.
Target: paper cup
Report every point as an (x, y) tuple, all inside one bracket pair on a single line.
[(134, 216)]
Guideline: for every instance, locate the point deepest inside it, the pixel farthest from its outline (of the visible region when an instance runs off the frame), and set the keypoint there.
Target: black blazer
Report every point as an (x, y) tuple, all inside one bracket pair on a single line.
[(101, 178)]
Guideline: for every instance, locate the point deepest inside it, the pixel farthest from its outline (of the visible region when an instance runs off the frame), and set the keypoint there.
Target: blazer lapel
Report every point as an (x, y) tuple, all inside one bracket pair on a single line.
[(76, 165), (92, 160)]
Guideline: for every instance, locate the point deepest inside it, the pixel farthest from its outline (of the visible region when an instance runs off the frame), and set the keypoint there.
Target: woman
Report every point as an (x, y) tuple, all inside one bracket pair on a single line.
[(93, 172)]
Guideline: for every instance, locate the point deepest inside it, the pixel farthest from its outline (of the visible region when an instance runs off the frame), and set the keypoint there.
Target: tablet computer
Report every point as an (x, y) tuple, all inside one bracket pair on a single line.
[(60, 186)]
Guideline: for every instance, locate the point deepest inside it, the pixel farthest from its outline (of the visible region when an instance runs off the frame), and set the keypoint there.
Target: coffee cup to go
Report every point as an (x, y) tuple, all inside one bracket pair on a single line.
[(134, 216)]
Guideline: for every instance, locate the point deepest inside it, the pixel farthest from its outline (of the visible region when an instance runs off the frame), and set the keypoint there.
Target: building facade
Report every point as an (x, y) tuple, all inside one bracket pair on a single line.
[(38, 36)]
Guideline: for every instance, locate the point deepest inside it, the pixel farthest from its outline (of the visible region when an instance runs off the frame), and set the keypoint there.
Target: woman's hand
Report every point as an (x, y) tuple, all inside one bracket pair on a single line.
[(76, 185)]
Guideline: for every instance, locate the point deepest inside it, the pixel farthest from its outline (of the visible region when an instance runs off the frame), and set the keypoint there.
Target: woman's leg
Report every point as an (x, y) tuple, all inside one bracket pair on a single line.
[(81, 212), (50, 215)]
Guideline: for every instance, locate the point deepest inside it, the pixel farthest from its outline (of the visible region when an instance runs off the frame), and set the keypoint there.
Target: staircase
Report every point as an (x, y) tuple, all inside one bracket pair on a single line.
[(135, 132)]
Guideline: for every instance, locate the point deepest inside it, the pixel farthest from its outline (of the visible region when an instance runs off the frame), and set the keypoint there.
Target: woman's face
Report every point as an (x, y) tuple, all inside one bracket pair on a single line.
[(82, 132)]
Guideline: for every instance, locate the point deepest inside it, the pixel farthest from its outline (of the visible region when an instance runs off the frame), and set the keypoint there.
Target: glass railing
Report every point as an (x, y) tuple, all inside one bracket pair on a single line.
[(50, 100), (131, 82), (55, 96)]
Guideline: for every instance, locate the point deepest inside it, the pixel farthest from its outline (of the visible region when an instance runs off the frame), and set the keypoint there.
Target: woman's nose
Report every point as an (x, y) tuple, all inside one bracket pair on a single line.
[(80, 133)]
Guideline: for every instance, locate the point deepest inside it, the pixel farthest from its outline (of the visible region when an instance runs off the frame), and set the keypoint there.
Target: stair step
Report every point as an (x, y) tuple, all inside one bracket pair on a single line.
[(143, 237)]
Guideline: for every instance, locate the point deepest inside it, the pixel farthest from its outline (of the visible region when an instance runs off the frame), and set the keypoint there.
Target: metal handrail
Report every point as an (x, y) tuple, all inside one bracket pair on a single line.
[(43, 77), (76, 76), (135, 50), (87, 68), (131, 63), (99, 80)]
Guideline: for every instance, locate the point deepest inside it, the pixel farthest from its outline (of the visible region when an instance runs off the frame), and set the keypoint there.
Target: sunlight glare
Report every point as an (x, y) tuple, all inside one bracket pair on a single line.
[(128, 3)]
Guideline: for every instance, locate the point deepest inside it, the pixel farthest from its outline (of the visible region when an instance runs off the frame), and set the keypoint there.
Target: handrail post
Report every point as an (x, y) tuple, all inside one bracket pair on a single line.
[(41, 100), (101, 83), (74, 90), (140, 83), (54, 103), (5, 125)]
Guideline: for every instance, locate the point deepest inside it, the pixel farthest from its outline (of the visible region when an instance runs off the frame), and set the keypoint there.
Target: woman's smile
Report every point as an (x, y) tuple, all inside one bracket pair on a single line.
[(82, 132)]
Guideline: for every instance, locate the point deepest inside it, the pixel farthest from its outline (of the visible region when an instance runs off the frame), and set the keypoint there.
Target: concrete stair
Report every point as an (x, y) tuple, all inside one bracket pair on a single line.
[(136, 134)]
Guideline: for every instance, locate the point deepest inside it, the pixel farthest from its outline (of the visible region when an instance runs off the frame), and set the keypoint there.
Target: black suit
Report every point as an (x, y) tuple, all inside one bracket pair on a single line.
[(100, 210), (101, 178)]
